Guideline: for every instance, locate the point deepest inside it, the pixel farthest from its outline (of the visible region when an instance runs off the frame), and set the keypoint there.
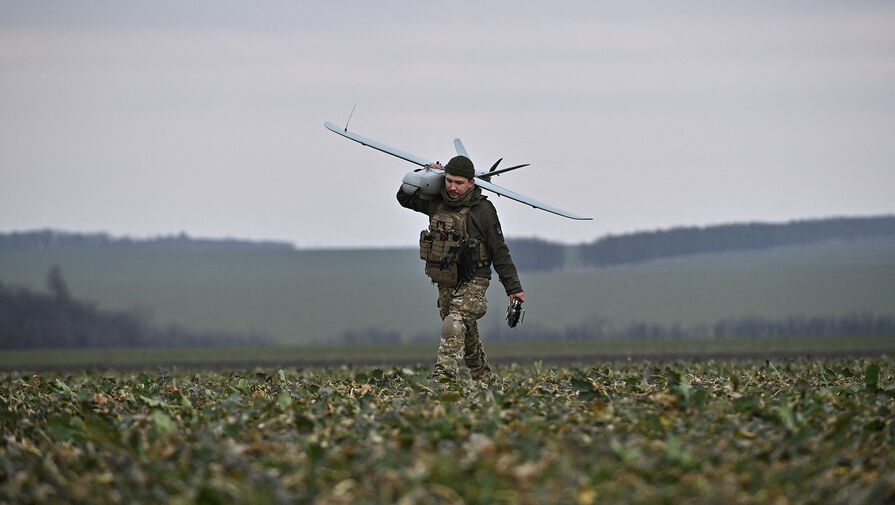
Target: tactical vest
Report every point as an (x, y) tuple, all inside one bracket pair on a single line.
[(450, 255)]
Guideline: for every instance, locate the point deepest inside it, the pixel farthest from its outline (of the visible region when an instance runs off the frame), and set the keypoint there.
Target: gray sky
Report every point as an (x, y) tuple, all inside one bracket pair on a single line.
[(148, 118)]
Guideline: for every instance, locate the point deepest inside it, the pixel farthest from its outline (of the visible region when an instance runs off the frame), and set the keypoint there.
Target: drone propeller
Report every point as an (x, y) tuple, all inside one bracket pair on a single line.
[(493, 171)]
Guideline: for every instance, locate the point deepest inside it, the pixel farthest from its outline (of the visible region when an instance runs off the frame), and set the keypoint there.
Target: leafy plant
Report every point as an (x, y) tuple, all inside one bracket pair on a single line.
[(795, 431)]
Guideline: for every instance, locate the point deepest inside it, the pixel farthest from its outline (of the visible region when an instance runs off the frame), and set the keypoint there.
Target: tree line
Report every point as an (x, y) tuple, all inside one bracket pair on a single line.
[(645, 246), (536, 255), (41, 240), (30, 319), (533, 254), (597, 328)]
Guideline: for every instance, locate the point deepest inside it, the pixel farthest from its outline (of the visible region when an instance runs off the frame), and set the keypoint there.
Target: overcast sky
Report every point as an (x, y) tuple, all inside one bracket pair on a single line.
[(150, 118)]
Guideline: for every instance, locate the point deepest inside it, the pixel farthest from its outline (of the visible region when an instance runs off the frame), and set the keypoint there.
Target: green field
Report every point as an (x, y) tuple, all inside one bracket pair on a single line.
[(300, 297), (788, 431)]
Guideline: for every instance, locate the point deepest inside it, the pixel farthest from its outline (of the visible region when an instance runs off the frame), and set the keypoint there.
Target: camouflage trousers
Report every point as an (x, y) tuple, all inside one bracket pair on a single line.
[(460, 307)]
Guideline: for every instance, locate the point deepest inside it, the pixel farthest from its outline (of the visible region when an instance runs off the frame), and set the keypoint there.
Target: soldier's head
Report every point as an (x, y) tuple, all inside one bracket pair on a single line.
[(459, 176)]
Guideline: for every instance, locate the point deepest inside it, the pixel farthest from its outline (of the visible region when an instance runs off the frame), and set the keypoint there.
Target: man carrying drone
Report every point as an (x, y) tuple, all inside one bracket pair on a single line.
[(462, 242)]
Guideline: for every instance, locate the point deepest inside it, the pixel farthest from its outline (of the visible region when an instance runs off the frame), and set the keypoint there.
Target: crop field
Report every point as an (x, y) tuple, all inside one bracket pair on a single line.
[(734, 431)]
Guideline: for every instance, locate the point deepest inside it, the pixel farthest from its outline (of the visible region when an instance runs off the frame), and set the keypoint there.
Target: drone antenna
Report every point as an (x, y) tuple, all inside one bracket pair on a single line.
[(349, 117)]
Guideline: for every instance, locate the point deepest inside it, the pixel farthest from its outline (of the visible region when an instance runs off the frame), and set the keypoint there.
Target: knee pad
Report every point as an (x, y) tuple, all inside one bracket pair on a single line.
[(453, 326)]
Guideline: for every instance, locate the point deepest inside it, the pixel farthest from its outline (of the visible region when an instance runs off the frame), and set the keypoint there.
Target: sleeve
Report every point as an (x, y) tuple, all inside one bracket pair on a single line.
[(500, 253), (414, 202)]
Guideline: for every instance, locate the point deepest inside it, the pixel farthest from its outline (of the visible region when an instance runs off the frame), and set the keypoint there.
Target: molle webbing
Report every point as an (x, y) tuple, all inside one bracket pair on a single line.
[(442, 244), (479, 252), (446, 230)]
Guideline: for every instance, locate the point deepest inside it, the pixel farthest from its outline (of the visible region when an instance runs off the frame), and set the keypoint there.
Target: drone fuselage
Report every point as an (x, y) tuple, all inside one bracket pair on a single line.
[(427, 181)]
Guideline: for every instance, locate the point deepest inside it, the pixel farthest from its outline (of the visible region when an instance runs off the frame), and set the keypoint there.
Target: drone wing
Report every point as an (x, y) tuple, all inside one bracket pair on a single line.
[(481, 182), (379, 146), (490, 186)]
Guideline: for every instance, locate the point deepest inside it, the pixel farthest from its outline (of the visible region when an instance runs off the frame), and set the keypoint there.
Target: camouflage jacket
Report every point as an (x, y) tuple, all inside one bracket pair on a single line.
[(482, 224)]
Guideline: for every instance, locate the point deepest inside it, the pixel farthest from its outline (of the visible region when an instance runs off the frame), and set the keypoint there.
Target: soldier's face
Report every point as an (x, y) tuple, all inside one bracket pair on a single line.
[(457, 186)]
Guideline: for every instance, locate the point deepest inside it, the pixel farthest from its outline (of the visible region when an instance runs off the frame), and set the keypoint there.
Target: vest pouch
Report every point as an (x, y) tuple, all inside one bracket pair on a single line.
[(442, 276), (439, 248), (484, 257), (442, 245), (426, 240), (478, 253)]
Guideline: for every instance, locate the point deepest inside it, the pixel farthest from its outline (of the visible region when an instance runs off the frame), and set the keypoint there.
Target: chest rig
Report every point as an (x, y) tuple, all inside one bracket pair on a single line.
[(451, 256)]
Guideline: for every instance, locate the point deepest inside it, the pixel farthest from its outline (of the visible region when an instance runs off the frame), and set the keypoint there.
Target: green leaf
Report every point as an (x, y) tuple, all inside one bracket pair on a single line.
[(684, 390), (747, 404), (65, 428), (674, 452), (232, 402), (581, 383), (871, 377), (282, 375), (65, 389), (787, 417), (450, 397), (774, 371), (152, 402), (99, 430), (163, 422), (285, 400), (623, 453)]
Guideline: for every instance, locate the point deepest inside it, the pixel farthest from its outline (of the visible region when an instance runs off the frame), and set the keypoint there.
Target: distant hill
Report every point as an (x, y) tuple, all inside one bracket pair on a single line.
[(48, 240), (645, 246), (358, 295), (530, 254)]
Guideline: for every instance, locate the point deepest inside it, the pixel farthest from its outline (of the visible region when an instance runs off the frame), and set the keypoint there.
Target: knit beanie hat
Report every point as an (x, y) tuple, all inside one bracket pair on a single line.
[(460, 166)]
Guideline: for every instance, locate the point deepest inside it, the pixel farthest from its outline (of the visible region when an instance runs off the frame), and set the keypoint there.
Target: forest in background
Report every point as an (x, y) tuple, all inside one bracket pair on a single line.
[(682, 241), (56, 319), (45, 240)]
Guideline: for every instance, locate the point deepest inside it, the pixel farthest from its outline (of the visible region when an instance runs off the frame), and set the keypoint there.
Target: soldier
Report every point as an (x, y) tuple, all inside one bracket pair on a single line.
[(463, 240)]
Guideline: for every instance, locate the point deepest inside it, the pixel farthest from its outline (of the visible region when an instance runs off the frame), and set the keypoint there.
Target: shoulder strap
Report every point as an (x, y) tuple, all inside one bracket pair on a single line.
[(464, 212)]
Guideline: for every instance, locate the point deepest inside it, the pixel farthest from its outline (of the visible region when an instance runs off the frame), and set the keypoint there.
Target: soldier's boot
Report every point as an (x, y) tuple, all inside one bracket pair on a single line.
[(450, 351), (474, 355)]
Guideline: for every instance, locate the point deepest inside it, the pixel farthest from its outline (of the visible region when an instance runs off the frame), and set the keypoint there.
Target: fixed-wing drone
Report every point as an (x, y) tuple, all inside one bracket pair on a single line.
[(429, 179)]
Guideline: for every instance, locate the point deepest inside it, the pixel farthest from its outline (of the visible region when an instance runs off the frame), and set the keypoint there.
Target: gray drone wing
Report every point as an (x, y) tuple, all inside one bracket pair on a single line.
[(490, 186), (379, 146)]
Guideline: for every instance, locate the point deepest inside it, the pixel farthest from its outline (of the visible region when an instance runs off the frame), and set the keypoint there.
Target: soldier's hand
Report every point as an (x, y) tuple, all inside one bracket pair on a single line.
[(520, 295), (435, 165)]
